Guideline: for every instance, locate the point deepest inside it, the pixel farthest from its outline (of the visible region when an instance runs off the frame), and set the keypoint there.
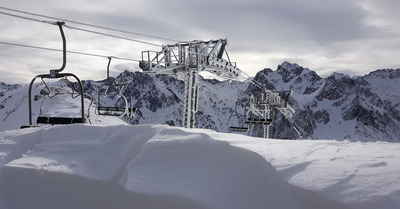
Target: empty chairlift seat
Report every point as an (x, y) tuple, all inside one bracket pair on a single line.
[(59, 120), (260, 121), (238, 129)]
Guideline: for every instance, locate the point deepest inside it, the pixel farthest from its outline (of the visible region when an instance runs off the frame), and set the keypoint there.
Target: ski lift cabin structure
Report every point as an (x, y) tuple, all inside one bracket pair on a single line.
[(56, 74), (187, 60), (256, 110), (106, 93)]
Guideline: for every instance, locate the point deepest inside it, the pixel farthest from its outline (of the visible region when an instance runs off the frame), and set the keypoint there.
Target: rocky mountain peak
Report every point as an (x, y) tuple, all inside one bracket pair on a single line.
[(336, 86), (289, 71)]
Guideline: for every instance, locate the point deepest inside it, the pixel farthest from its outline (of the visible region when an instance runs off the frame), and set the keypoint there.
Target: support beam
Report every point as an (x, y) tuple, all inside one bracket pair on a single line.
[(190, 102)]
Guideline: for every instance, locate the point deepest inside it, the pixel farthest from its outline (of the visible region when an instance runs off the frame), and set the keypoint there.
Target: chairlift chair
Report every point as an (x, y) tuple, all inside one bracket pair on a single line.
[(104, 92), (259, 121), (56, 74), (237, 120)]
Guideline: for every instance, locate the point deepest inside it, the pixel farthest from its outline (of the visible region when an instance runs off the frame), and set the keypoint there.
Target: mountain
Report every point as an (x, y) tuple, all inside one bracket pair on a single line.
[(339, 106), (158, 99), (4, 88), (359, 108)]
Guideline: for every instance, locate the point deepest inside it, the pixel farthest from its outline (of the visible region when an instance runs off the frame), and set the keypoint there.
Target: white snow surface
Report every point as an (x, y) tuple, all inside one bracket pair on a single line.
[(156, 166)]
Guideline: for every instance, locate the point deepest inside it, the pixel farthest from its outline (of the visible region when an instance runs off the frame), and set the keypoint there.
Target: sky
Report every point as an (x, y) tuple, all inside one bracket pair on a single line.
[(353, 37)]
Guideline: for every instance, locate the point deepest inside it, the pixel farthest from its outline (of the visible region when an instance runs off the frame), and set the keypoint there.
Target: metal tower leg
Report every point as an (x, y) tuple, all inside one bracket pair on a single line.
[(191, 98), (266, 127)]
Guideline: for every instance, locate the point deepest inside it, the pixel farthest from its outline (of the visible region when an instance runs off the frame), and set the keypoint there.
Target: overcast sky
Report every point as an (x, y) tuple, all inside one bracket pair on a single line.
[(353, 37)]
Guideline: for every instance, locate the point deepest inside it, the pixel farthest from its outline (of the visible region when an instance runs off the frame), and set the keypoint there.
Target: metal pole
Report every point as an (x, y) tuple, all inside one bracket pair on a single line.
[(30, 100), (53, 73), (108, 67)]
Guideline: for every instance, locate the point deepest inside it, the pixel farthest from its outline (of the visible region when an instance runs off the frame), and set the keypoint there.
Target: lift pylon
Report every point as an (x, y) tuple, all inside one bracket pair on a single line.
[(187, 59)]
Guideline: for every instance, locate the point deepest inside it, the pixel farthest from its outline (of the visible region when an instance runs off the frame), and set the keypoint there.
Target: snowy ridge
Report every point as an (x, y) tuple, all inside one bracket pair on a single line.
[(7, 87), (152, 166)]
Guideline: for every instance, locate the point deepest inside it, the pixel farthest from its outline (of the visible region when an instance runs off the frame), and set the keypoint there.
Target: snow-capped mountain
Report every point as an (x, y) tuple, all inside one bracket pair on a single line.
[(340, 106), (336, 107), (7, 87)]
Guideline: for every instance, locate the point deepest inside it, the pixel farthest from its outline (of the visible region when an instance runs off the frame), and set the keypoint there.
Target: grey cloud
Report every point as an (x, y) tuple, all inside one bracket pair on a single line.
[(308, 30)]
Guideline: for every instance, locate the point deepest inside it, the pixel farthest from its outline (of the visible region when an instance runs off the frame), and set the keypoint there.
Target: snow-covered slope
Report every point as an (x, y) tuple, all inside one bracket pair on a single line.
[(152, 166)]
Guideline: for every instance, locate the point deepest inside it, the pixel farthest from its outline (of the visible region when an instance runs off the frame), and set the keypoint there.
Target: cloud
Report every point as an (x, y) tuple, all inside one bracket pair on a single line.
[(345, 35)]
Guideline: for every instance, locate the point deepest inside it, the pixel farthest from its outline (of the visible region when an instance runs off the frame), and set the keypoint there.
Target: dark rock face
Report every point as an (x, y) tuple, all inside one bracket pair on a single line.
[(289, 71), (336, 86)]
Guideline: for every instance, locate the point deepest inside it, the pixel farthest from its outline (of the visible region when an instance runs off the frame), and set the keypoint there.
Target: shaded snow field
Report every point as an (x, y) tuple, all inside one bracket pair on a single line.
[(153, 166)]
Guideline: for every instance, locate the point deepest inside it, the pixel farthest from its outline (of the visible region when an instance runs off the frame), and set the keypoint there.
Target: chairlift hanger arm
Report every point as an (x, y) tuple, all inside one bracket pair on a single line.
[(53, 73), (108, 67)]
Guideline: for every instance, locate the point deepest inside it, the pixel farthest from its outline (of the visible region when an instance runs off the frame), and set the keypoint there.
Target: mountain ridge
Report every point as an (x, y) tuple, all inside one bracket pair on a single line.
[(342, 107)]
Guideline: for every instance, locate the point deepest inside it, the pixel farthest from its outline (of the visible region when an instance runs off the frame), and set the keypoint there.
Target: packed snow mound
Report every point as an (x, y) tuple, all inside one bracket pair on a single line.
[(155, 166), (82, 166)]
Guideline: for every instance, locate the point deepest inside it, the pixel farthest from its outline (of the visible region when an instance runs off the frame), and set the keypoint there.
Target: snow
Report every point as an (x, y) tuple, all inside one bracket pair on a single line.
[(156, 166)]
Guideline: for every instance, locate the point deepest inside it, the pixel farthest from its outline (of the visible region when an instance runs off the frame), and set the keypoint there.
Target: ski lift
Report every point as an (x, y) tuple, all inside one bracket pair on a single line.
[(106, 92), (56, 74), (237, 120), (259, 121)]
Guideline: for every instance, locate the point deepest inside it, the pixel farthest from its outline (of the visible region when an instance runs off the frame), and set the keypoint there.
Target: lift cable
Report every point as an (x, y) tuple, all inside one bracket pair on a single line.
[(90, 25), (26, 18), (80, 29), (72, 52), (254, 82), (113, 36)]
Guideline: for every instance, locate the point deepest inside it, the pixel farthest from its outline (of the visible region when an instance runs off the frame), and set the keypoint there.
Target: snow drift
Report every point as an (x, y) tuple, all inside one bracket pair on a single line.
[(153, 166), (141, 167)]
